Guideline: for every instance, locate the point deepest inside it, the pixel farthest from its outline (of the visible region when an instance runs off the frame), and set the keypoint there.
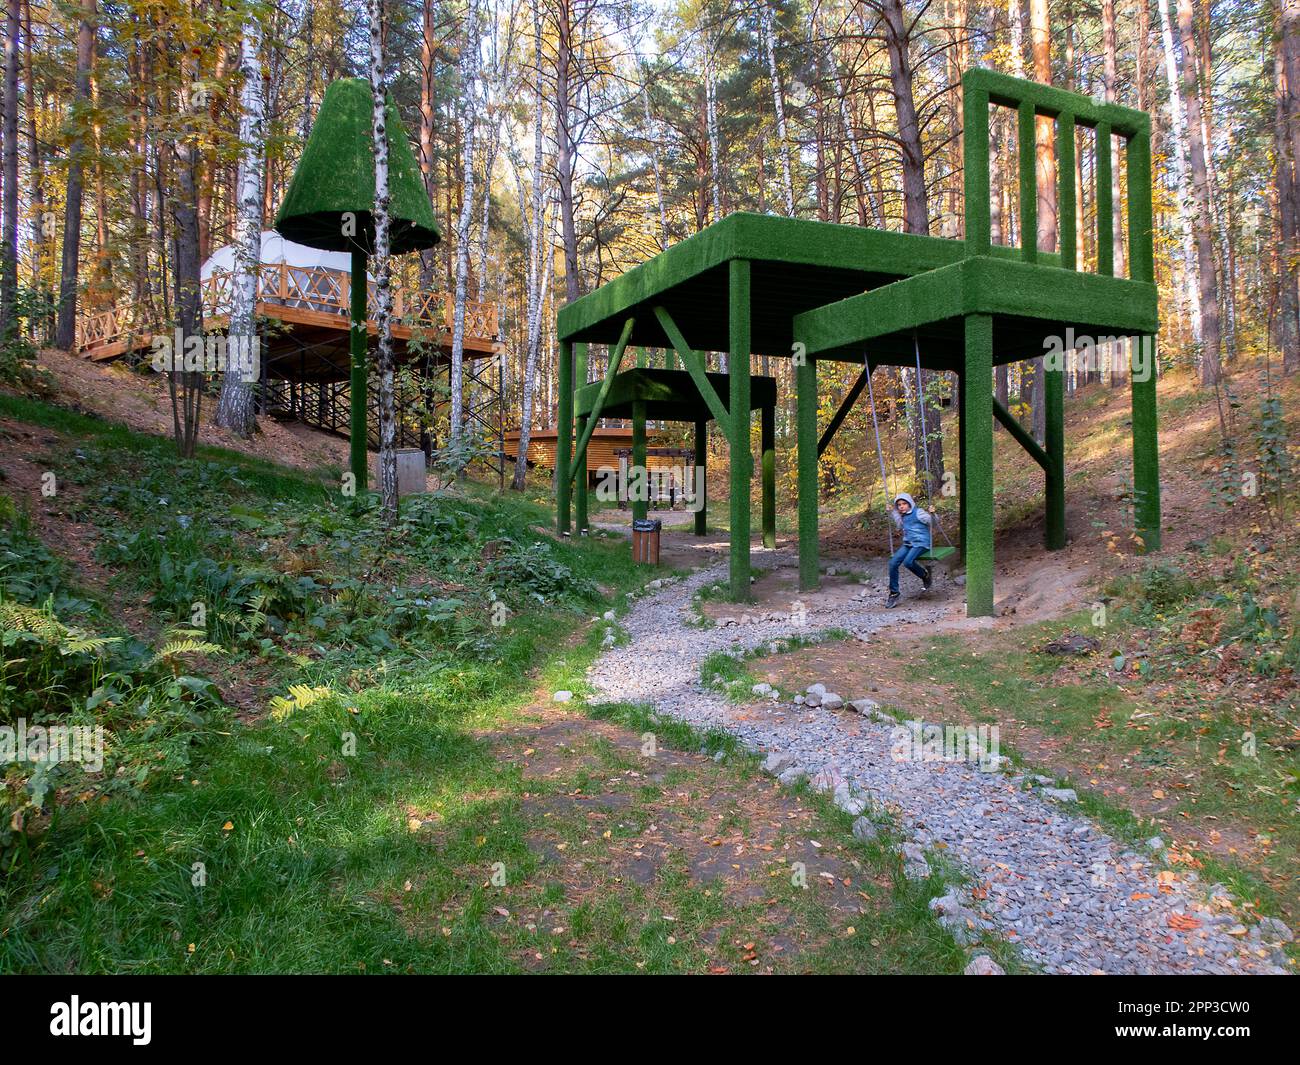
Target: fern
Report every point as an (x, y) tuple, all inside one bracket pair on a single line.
[(39, 625), (300, 697)]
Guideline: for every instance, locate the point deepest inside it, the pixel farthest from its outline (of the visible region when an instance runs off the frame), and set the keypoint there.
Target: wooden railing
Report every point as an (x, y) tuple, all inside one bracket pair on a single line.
[(304, 288)]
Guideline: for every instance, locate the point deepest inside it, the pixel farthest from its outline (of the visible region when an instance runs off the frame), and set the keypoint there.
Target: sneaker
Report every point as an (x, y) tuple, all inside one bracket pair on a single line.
[(928, 580), (892, 601)]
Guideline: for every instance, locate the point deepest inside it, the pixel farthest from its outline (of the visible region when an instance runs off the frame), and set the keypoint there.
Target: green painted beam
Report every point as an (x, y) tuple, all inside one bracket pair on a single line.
[(1065, 198), (641, 500), (615, 360), (792, 242), (975, 163), (1146, 445), (695, 367), (578, 471), (564, 439), (768, 443), (1105, 208), (702, 479), (358, 343), (670, 395), (977, 445), (1090, 303), (738, 314), (1023, 438), (847, 405), (1028, 182), (805, 379), (1006, 91), (1054, 441)]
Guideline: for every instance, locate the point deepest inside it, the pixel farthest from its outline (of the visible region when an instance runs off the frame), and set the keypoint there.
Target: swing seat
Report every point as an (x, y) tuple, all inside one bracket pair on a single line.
[(936, 554)]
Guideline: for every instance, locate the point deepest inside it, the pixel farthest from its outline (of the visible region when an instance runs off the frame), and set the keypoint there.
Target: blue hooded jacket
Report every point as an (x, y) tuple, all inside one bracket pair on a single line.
[(915, 524)]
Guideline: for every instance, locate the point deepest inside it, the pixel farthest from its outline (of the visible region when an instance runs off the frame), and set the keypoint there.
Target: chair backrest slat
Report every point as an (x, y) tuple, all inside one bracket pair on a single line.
[(1031, 101)]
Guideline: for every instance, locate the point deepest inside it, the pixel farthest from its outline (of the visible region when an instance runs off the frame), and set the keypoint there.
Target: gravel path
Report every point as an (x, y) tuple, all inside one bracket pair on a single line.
[(1075, 900)]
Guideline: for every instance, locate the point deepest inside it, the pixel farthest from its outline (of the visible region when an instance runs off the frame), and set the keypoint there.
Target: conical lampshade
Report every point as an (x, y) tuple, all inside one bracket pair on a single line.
[(334, 184)]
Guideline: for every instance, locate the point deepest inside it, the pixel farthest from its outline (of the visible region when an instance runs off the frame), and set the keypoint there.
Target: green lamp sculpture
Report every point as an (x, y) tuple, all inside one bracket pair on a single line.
[(329, 205)]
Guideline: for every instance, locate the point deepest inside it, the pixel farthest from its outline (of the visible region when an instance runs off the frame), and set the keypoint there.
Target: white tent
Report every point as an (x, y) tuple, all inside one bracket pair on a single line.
[(277, 250)]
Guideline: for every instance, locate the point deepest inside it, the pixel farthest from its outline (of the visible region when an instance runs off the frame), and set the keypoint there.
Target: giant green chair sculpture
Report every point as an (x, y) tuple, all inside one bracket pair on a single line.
[(329, 205), (815, 291)]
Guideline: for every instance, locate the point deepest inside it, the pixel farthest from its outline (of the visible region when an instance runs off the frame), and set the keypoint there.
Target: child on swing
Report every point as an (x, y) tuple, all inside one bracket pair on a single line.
[(914, 523)]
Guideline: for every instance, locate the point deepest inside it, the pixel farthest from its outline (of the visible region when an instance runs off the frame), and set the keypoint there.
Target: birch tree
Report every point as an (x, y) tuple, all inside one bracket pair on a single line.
[(235, 410), (711, 122), (381, 265), (536, 255), (778, 108), (1207, 279), (469, 69), (1178, 149)]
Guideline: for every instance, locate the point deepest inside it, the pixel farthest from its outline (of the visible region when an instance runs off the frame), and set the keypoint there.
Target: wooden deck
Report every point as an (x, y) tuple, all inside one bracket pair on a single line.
[(312, 303)]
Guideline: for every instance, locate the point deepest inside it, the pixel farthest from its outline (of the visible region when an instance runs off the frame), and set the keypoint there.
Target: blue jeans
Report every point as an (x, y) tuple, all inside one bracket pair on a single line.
[(905, 556)]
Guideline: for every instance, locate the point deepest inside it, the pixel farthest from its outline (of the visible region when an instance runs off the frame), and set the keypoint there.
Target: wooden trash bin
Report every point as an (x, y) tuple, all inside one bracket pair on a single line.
[(411, 471), (645, 540)]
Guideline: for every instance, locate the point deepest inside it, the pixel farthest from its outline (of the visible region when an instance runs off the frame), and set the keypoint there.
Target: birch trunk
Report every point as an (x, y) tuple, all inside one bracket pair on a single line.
[(235, 409), (535, 257), (469, 81), (652, 130), (381, 265), (778, 107), (711, 119), (1208, 284), (1178, 134)]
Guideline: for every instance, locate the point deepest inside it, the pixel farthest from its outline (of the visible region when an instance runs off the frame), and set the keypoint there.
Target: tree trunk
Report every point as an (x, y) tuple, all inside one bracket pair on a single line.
[(898, 42), (235, 407), (469, 110), (9, 228), (538, 263), (382, 265), (1287, 179), (1045, 173), (1178, 134), (565, 147), (778, 106), (186, 385), (711, 120), (1207, 278), (652, 131), (65, 335)]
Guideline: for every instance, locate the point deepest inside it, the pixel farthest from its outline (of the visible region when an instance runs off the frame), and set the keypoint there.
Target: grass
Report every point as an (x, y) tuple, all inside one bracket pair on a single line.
[(392, 817)]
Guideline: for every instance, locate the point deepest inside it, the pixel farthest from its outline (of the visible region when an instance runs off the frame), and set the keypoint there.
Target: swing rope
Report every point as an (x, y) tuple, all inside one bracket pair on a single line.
[(880, 454), (925, 438)]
